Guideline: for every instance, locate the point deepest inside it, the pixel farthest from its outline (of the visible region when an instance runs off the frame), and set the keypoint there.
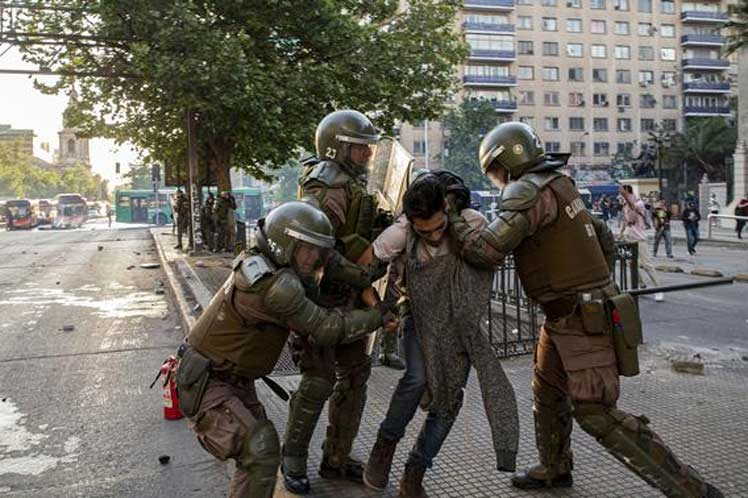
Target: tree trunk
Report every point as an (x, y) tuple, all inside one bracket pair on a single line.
[(219, 152)]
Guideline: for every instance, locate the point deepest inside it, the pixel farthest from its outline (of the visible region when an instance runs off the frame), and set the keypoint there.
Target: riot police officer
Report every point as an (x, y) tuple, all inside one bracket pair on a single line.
[(182, 208), (222, 218), (564, 259), (336, 182), (207, 222), (241, 334)]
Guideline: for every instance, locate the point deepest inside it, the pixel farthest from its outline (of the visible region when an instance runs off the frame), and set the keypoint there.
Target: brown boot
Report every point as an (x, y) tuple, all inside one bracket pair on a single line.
[(538, 476), (410, 484), (377, 471)]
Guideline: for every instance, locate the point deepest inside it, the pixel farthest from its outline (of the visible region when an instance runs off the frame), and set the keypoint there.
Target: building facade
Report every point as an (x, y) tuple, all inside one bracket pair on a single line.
[(22, 140), (593, 77)]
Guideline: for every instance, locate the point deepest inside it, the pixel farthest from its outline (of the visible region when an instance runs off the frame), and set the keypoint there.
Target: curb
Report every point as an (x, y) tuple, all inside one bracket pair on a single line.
[(183, 308), (732, 244), (742, 277)]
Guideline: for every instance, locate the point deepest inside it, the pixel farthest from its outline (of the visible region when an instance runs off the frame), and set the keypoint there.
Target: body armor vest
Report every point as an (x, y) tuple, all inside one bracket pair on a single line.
[(249, 347), (565, 255)]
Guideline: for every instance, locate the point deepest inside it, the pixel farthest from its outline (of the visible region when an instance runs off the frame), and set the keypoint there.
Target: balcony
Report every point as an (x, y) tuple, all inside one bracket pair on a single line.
[(706, 87), (704, 63), (475, 80), (485, 5), (487, 28), (696, 110), (697, 16), (508, 106), (493, 55), (702, 40)]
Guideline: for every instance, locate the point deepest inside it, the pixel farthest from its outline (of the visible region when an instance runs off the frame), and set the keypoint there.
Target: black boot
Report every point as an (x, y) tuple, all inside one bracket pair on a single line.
[(295, 484), (351, 470), (538, 477)]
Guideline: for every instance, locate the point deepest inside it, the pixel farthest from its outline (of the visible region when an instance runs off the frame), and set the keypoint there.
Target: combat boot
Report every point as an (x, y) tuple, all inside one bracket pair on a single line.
[(537, 477), (411, 484), (350, 470), (296, 484), (377, 471)]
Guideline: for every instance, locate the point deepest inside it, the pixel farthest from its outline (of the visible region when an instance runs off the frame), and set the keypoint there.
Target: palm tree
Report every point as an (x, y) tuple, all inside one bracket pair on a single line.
[(738, 28), (706, 143)]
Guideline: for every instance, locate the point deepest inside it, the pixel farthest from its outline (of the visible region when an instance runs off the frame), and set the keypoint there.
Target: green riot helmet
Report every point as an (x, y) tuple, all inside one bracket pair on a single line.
[(513, 146), (291, 226), (339, 132)]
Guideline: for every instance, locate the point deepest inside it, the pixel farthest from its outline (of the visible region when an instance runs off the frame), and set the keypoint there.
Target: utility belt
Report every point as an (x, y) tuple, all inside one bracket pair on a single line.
[(617, 316)]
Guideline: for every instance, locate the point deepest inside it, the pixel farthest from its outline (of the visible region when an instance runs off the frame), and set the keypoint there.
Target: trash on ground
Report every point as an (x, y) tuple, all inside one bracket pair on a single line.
[(164, 459), (131, 267), (68, 328), (100, 248), (689, 367), (149, 265), (200, 264)]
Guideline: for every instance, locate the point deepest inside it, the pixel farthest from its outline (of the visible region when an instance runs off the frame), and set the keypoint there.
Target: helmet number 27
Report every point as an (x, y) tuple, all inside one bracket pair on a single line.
[(330, 152)]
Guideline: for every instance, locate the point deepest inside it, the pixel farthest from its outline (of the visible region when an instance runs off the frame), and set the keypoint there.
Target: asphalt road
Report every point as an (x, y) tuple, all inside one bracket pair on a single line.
[(76, 415)]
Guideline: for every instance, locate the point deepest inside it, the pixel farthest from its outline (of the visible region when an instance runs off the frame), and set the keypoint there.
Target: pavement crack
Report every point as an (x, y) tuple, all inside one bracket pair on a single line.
[(88, 353)]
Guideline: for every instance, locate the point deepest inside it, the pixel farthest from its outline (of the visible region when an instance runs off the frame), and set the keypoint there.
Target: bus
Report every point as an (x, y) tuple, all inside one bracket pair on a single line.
[(139, 206), (46, 211), (249, 206), (25, 213), (72, 211)]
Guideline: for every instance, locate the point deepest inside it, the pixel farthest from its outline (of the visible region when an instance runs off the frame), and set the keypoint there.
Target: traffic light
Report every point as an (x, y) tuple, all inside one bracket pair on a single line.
[(155, 173), (116, 168)]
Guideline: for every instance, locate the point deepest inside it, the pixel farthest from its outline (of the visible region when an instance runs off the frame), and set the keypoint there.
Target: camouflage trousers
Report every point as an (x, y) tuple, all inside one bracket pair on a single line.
[(576, 376)]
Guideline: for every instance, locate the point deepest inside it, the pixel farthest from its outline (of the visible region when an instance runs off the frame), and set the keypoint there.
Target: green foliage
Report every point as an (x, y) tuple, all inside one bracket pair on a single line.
[(465, 126), (259, 75), (737, 27), (705, 145)]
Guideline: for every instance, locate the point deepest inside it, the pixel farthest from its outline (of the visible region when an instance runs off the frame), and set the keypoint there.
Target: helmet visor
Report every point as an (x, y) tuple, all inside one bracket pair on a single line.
[(361, 149), (308, 258), (317, 239)]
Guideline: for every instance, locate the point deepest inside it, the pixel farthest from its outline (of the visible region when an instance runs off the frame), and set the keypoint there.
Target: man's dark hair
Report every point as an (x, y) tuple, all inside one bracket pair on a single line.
[(629, 189), (424, 198)]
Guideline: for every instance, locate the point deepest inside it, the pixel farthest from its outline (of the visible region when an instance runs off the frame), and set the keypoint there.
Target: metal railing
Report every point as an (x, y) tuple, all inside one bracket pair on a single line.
[(487, 4), (707, 16), (490, 80), (703, 38), (695, 109), (704, 62), (487, 26), (712, 216), (706, 85), (479, 53)]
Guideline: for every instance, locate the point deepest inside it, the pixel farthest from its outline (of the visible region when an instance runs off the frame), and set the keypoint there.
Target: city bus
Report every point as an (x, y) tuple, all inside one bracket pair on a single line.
[(249, 206), (139, 206), (72, 211), (25, 213)]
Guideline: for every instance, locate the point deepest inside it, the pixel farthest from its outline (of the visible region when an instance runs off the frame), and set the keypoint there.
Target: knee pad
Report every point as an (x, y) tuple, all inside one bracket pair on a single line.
[(314, 388), (261, 448), (599, 420)]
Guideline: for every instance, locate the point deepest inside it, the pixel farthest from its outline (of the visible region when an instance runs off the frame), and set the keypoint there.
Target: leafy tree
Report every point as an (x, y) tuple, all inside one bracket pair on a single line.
[(258, 75), (737, 27), (705, 145), (466, 125)]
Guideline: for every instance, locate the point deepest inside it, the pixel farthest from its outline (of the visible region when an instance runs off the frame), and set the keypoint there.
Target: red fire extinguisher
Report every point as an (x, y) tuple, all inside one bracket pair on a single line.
[(171, 400)]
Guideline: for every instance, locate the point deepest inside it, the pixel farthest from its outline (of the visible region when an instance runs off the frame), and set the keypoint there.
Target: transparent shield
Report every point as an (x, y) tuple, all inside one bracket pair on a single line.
[(389, 174)]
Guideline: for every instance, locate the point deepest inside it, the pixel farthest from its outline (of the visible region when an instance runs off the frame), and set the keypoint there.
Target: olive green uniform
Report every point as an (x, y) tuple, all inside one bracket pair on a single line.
[(221, 223), (242, 333), (207, 222), (183, 218), (564, 259)]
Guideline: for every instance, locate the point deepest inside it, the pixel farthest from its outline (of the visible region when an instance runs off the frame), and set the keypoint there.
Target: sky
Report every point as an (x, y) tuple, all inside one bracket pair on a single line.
[(24, 107)]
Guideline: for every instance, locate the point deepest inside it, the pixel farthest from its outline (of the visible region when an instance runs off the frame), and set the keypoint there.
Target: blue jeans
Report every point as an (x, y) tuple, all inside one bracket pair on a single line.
[(692, 237), (405, 400)]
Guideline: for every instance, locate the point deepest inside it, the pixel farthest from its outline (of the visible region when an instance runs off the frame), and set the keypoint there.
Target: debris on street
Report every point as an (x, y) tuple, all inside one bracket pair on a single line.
[(131, 267), (100, 248), (150, 265), (164, 459), (687, 366), (68, 328)]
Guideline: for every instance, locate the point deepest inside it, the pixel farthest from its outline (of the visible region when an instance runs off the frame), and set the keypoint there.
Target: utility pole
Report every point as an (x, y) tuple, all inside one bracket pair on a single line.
[(196, 240)]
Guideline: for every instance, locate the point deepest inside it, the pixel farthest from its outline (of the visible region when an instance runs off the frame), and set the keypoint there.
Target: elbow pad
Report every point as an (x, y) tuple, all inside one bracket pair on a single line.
[(507, 231)]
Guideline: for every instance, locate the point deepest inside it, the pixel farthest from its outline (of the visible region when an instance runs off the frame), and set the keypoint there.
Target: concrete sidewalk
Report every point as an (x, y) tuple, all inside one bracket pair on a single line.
[(702, 417)]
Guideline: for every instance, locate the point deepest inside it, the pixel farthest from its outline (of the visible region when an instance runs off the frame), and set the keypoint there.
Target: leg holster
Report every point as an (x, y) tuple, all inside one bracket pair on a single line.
[(553, 424), (631, 441), (260, 459), (345, 411)]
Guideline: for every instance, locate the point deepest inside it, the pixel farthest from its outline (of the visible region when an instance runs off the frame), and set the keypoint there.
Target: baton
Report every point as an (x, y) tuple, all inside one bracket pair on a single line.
[(676, 287)]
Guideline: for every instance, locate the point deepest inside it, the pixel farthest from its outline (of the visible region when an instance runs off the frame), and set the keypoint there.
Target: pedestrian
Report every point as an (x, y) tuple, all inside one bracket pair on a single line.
[(240, 336), (633, 230), (605, 209), (741, 210), (9, 218), (691, 218), (231, 225), (109, 213), (661, 216), (442, 339), (206, 221), (334, 181), (564, 259)]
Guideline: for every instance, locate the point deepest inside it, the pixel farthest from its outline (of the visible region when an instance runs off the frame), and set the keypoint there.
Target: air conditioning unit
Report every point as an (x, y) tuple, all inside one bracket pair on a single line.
[(617, 7), (606, 103), (621, 109), (570, 4)]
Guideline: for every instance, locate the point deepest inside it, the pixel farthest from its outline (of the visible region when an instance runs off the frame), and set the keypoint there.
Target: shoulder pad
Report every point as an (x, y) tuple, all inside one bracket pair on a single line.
[(541, 178), (309, 161), (327, 173), (519, 195), (286, 288), (254, 268)]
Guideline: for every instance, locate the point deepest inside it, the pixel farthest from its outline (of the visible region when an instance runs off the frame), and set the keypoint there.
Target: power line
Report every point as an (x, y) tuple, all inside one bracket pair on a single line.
[(48, 72)]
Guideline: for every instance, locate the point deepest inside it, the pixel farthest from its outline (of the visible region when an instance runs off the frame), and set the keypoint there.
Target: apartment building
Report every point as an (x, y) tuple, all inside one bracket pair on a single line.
[(592, 76)]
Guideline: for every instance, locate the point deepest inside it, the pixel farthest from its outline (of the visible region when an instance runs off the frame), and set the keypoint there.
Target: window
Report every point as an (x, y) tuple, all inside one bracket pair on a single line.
[(524, 48), (524, 22), (597, 27), (490, 42), (622, 28), (645, 6), (553, 146), (492, 71), (551, 123), (647, 101), (577, 149), (624, 124), (600, 75), (667, 54), (523, 2), (550, 24), (548, 3), (600, 99), (551, 98), (574, 49), (527, 97), (647, 124), (621, 5), (646, 78), (419, 147), (645, 29), (623, 76), (669, 102), (528, 120), (625, 148), (623, 100), (525, 73), (622, 52), (573, 26), (667, 30), (575, 4), (576, 124), (576, 99), (550, 48), (668, 79), (600, 124), (669, 125), (646, 53), (599, 51), (597, 4), (576, 74), (667, 6), (601, 148), (550, 73)]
